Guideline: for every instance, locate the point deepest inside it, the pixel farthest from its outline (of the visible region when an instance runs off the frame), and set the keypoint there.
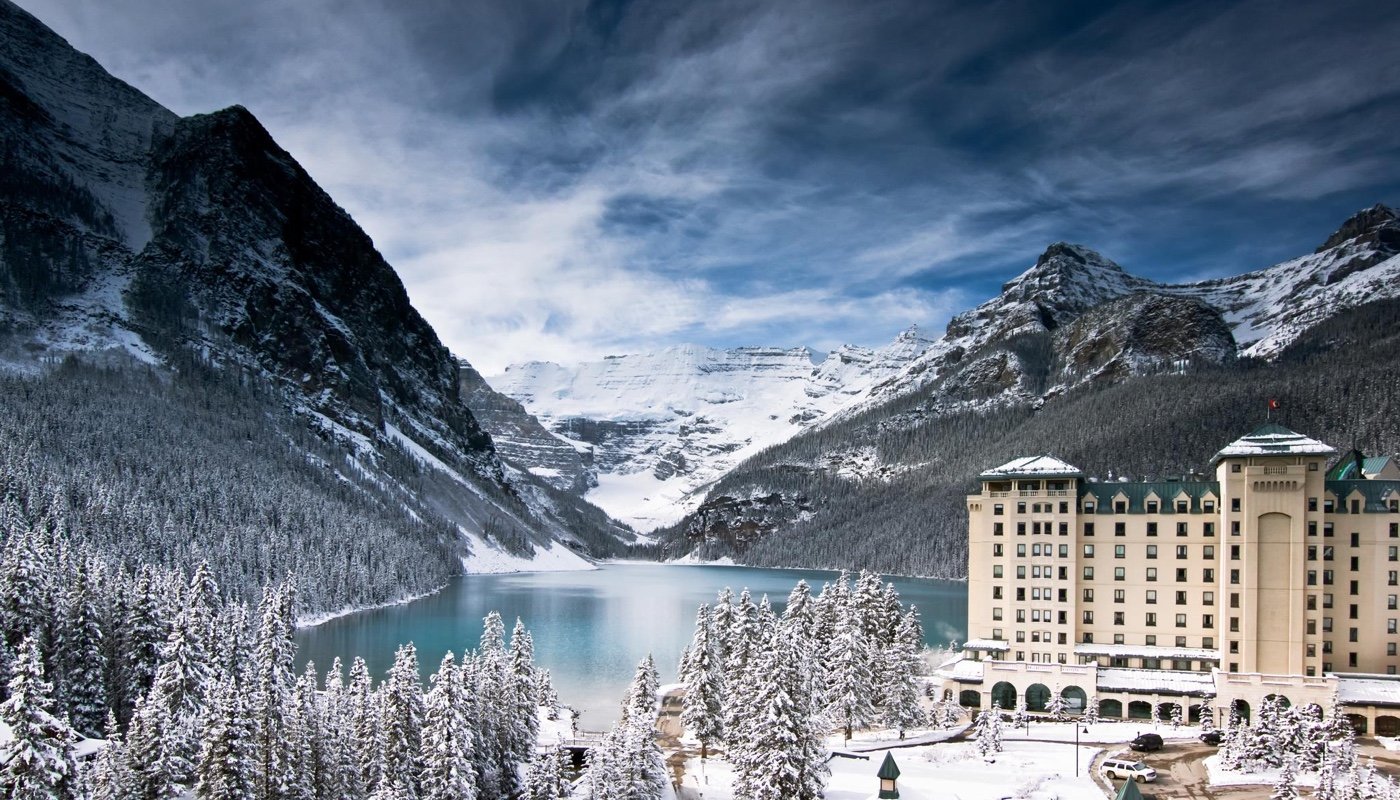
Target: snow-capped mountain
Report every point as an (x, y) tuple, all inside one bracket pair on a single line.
[(128, 231), (663, 425), (1265, 310)]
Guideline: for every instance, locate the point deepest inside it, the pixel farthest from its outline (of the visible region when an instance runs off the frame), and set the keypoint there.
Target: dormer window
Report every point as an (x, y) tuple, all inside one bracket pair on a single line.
[(1089, 507), (1183, 506), (1152, 506), (1120, 506), (1208, 506)]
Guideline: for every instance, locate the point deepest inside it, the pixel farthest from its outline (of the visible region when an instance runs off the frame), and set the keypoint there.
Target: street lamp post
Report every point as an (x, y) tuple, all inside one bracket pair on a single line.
[(1077, 728)]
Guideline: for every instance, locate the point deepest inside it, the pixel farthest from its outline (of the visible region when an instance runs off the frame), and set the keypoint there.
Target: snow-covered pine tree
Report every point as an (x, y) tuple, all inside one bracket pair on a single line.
[(108, 777), (1207, 713), (524, 693), (1021, 718), (448, 772), (548, 697), (722, 620), (1057, 708), (1287, 786), (272, 669), (950, 713), (848, 675), (702, 674), (987, 736), (39, 764), (1177, 719), (401, 723), (541, 781), (362, 720), (642, 760), (782, 756), (82, 652), (1156, 715), (227, 768), (899, 672), (1091, 711)]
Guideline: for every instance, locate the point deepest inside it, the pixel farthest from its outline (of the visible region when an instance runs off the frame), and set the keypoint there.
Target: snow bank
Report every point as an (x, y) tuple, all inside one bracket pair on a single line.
[(487, 560)]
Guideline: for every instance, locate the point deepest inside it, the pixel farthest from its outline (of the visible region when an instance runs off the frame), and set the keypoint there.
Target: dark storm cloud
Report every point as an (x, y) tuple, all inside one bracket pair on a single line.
[(557, 179)]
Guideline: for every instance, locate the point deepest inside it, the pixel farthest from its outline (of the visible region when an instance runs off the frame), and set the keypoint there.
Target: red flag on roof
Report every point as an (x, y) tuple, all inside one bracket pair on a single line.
[(1273, 404)]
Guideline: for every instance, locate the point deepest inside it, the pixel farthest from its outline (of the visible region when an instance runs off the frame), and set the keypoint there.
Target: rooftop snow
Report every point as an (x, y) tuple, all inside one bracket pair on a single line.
[(1374, 690), (1034, 466), (1156, 680), (986, 644), (1274, 440)]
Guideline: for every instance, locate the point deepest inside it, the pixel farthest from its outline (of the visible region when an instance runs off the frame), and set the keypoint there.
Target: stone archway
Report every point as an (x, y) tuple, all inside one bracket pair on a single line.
[(1004, 695), (1037, 697), (970, 698), (1241, 709), (1111, 708), (1139, 709), (1281, 701), (1358, 723), (1388, 726), (1075, 699), (1193, 715), (1164, 711)]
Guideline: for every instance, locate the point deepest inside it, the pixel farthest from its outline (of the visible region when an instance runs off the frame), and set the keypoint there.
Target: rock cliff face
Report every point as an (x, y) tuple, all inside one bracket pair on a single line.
[(661, 426), (127, 231)]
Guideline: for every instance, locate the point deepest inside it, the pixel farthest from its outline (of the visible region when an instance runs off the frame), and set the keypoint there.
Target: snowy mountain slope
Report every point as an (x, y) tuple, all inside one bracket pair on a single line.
[(1265, 310), (126, 229), (664, 425)]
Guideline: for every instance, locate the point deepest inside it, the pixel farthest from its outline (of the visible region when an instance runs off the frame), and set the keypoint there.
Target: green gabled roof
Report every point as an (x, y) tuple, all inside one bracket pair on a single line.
[(1377, 493), (1137, 493), (888, 769), (1129, 791), (1374, 464), (1348, 467)]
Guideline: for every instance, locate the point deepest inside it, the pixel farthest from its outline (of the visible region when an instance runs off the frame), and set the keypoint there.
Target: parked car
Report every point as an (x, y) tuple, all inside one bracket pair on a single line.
[(1147, 742), (1128, 770), (1212, 738)]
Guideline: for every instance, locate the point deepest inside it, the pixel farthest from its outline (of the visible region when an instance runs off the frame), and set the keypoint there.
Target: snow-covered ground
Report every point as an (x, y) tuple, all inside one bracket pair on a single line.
[(487, 560), (1101, 732), (1029, 770)]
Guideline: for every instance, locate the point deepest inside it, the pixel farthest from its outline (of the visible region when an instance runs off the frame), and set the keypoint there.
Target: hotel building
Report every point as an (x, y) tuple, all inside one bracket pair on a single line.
[(1279, 576)]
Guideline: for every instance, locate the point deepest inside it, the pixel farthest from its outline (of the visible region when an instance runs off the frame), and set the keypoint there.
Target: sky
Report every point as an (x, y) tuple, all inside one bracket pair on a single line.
[(564, 179)]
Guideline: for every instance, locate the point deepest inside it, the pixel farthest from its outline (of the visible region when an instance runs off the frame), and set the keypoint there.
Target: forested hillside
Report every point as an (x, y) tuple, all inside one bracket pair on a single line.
[(885, 490), (171, 469)]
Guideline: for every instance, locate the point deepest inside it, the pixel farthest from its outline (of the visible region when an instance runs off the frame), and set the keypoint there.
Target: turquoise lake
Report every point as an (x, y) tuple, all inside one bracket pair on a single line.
[(590, 628)]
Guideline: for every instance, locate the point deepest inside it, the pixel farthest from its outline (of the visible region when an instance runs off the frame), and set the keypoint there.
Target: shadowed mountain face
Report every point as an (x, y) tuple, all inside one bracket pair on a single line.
[(127, 233)]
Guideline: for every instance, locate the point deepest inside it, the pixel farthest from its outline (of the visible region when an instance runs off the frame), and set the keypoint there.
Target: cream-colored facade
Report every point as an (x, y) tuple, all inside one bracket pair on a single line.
[(1279, 576)]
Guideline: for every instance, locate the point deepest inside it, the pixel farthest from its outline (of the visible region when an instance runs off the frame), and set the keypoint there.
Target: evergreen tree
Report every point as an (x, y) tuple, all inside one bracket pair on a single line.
[(273, 676), (1091, 711), (1287, 786), (524, 693), (848, 677), (1022, 717), (702, 674), (987, 737), (227, 767), (401, 724), (899, 672), (83, 654), (448, 772), (1176, 716), (542, 781), (1207, 714), (548, 698), (782, 756), (642, 760), (1057, 708), (39, 764), (109, 777)]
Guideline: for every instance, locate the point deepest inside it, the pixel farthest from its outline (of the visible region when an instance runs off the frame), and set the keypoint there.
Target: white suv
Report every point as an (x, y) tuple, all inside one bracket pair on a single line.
[(1134, 770)]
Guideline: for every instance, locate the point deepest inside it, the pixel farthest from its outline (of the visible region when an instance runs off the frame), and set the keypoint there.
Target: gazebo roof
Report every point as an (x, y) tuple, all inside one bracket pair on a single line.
[(888, 769)]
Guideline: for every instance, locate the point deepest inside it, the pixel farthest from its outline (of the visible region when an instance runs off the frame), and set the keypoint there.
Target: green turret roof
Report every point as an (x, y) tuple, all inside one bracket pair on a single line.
[(1129, 791), (888, 769)]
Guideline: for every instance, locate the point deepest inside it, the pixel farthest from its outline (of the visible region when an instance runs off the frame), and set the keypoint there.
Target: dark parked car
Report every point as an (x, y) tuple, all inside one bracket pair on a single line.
[(1212, 738), (1147, 742)]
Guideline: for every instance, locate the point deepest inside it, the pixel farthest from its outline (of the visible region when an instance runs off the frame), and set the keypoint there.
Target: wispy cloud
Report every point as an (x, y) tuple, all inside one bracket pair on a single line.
[(559, 180)]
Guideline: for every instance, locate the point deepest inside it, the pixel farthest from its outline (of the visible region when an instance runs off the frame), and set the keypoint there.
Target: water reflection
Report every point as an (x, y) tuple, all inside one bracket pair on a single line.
[(590, 628)]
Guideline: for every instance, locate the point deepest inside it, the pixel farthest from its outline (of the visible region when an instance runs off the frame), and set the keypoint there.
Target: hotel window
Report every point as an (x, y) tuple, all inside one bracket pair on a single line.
[(1355, 611), (1020, 529), (1088, 529), (1151, 529), (996, 613), (1088, 618), (1312, 602), (1234, 552), (1089, 508), (1234, 503), (1312, 552), (1151, 574), (1150, 640), (1327, 577), (1208, 642), (1390, 625), (1180, 529), (1234, 599), (1118, 639), (1208, 506), (1352, 633), (1235, 528), (1312, 528), (1390, 651), (1390, 602), (1088, 595), (1207, 598), (1181, 598), (1020, 594), (1312, 503), (1209, 528), (1391, 579), (1312, 627), (1181, 641), (1152, 597), (997, 634), (1182, 550), (1326, 628), (1328, 553), (1355, 539), (1020, 615), (1326, 650), (1088, 551), (1393, 553), (1234, 576), (1064, 528), (1021, 571), (1120, 596), (1235, 467), (1021, 508), (1327, 529), (1119, 574), (1182, 506), (1234, 624), (996, 550), (1180, 620), (1088, 573), (996, 592), (1312, 577), (1064, 506), (1394, 526), (1327, 600), (1234, 648), (1118, 618), (1208, 574), (1064, 551), (998, 529), (1120, 551), (1120, 529), (1311, 651), (1152, 551), (1208, 552), (1207, 621), (1152, 506), (1181, 575), (1355, 587), (1120, 506), (996, 570)]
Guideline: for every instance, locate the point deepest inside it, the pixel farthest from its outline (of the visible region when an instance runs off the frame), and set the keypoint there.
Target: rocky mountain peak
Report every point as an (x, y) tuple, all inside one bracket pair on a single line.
[(1377, 225)]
